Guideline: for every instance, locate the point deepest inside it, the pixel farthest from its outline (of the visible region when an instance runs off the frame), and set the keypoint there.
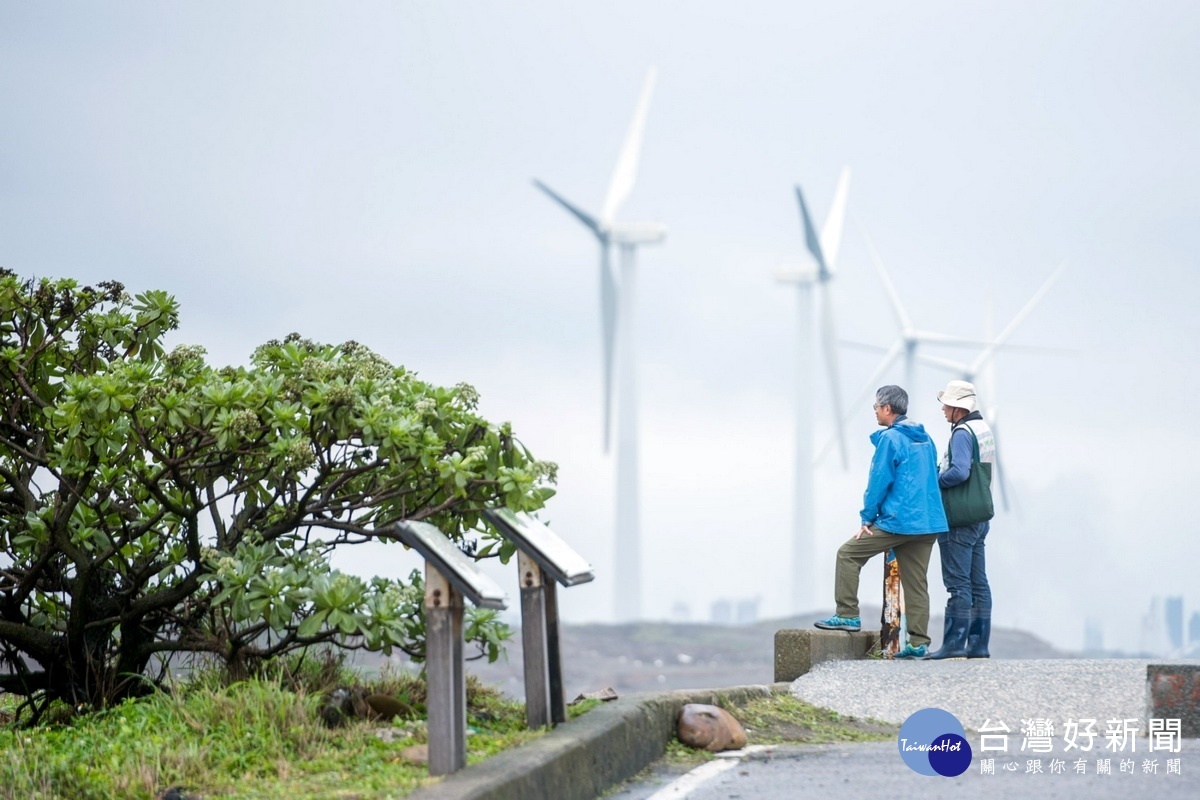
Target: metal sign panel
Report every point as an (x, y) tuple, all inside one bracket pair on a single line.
[(543, 545), (459, 569)]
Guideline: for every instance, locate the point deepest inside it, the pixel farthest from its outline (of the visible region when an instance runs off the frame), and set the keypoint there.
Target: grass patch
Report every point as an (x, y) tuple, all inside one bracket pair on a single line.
[(784, 719), (260, 738)]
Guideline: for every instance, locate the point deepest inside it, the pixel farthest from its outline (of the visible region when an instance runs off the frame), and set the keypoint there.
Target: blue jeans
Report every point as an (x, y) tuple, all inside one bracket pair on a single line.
[(963, 568)]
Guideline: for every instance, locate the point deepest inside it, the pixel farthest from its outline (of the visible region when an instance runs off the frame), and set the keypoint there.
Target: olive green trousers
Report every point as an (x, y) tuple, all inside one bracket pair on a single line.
[(912, 553)]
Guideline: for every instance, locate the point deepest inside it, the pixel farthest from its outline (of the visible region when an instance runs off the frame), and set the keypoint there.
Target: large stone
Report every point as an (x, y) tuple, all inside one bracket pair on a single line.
[(798, 651), (1175, 694), (710, 728), (385, 707)]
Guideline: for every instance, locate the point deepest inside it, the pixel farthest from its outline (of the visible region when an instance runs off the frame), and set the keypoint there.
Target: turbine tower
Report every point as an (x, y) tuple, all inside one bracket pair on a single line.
[(617, 303), (824, 251)]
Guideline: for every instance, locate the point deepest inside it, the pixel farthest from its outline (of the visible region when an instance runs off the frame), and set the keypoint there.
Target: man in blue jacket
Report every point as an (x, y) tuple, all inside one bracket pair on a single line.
[(902, 511)]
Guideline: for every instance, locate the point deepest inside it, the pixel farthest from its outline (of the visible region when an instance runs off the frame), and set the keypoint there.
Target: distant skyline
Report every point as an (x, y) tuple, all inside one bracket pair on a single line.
[(363, 172)]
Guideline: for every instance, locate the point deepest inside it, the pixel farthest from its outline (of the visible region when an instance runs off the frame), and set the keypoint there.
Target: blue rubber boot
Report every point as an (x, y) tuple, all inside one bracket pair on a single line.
[(979, 633), (954, 640)]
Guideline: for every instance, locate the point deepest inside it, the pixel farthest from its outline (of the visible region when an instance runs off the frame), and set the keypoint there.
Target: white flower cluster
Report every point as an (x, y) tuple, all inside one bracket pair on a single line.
[(546, 469), (468, 394)]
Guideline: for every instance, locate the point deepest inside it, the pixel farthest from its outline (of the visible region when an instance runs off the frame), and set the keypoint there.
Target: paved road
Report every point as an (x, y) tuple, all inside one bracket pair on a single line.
[(978, 693), (979, 690), (874, 770)]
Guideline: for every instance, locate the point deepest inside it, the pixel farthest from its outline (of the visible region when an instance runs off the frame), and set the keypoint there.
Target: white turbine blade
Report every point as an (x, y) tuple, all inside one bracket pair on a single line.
[(933, 337), (955, 367), (608, 319), (990, 350), (829, 342), (897, 307), (867, 391), (625, 174), (831, 233), (810, 237), (576, 211), (1029, 306), (965, 372)]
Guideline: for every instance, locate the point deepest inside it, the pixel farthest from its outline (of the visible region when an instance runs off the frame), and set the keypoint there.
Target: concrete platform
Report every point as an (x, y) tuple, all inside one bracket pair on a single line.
[(798, 651)]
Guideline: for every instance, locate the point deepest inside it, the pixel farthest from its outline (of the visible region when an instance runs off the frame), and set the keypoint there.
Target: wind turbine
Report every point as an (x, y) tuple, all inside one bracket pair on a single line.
[(909, 338), (984, 365), (824, 251), (617, 302)]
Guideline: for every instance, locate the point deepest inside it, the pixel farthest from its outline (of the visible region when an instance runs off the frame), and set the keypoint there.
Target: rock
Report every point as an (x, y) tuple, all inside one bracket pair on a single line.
[(389, 735), (339, 706), (709, 728), (416, 754), (604, 696), (385, 707), (176, 793)]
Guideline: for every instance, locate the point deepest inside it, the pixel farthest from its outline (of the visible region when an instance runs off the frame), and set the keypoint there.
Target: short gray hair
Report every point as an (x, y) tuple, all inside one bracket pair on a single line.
[(892, 396)]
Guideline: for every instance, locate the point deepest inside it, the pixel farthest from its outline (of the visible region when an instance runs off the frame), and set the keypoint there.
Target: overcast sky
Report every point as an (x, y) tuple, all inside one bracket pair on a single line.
[(362, 171)]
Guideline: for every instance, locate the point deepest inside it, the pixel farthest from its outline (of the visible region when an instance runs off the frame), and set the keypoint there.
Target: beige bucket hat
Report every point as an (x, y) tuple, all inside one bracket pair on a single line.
[(958, 394)]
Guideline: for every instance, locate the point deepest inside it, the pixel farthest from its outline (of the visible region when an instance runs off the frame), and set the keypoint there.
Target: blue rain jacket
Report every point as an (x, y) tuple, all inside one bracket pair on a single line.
[(902, 493)]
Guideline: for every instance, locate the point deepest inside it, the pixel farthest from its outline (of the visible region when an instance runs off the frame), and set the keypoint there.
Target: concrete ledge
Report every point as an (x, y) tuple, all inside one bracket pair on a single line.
[(797, 651), (585, 756), (1175, 694)]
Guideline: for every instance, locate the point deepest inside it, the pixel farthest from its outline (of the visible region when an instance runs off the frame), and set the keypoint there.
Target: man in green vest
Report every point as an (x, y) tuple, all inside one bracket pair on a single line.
[(969, 610)]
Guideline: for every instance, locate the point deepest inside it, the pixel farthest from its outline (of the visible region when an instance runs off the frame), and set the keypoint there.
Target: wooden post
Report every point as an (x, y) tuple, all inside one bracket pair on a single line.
[(558, 698), (446, 687), (543, 562), (533, 642), (892, 630)]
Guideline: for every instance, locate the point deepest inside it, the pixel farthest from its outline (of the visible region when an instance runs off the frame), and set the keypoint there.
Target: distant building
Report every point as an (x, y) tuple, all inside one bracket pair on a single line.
[(1194, 628), (1173, 617), (681, 611), (1154, 640), (747, 612), (1093, 637), (735, 611)]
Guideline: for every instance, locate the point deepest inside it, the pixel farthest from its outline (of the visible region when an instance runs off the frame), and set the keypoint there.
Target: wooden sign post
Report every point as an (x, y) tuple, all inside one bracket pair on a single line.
[(449, 577), (445, 683), (544, 560)]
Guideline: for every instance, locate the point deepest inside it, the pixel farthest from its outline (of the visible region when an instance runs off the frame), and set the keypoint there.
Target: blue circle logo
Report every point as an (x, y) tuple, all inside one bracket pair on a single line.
[(933, 742)]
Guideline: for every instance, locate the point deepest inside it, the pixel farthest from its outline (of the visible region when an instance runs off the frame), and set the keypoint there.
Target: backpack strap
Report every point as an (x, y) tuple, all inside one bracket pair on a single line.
[(974, 443)]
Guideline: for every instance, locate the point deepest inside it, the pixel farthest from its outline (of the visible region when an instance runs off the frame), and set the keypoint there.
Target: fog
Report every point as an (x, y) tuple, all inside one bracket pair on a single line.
[(364, 172)]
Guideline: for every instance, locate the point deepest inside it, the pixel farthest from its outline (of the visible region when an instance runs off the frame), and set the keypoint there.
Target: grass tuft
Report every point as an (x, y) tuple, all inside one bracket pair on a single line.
[(260, 738)]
